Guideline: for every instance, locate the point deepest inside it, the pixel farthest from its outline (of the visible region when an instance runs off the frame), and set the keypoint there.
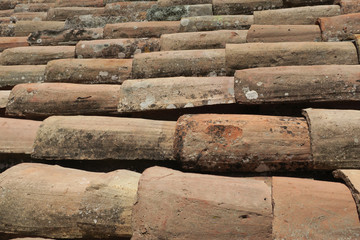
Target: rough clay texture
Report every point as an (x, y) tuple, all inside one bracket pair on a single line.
[(295, 16), (238, 7), (11, 42), (80, 3), (47, 99), (92, 21), (64, 37), (309, 209), (29, 16), (174, 93), (116, 48), (245, 143), (93, 71), (284, 33), (251, 55), (219, 22), (352, 180), (130, 11), (7, 30), (175, 13), (35, 55), (298, 84), (167, 3), (17, 136), (340, 28), (201, 40), (33, 7), (357, 42), (348, 6), (62, 13), (24, 28), (4, 95), (97, 138), (179, 63), (335, 138), (13, 75), (140, 29), (52, 201), (175, 205)]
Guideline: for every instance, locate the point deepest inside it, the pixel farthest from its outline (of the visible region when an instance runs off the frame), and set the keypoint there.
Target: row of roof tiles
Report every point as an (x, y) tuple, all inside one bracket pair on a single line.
[(163, 203)]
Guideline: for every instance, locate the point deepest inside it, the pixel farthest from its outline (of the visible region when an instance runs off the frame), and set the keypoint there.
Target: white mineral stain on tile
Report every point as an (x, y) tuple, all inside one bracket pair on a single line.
[(148, 101), (259, 84), (184, 22), (231, 91), (251, 95), (356, 140), (286, 94), (82, 45), (171, 106), (189, 105), (103, 74)]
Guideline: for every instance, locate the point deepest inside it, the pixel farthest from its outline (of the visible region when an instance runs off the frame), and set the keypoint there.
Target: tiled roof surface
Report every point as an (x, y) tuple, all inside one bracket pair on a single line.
[(179, 119)]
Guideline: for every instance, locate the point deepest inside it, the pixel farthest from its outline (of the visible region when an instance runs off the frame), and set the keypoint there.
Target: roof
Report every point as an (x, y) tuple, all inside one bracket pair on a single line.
[(181, 119)]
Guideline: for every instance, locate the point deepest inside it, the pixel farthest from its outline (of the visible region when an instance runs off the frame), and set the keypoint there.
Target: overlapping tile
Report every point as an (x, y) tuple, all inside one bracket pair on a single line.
[(176, 205), (296, 84), (13, 75), (179, 63), (93, 71), (219, 22), (41, 100), (201, 40), (174, 93), (335, 136), (246, 143), (251, 55), (100, 138), (52, 201)]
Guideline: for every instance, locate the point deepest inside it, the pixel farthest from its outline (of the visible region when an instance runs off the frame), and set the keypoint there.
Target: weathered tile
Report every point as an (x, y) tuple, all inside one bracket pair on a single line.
[(201, 40), (100, 138), (218, 22), (64, 37), (92, 21), (310, 209), (339, 28), (167, 3), (134, 11), (179, 63), (237, 7), (245, 143), (11, 42), (24, 28), (352, 180), (93, 71), (284, 33), (6, 13), (66, 203), (335, 136), (62, 13), (250, 55), (331, 83), (357, 43), (116, 48), (35, 55), (29, 16), (46, 99), (175, 205), (295, 16), (4, 95), (80, 3), (176, 13), (348, 6), (13, 75), (33, 7), (174, 93), (140, 29), (7, 29), (17, 135)]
